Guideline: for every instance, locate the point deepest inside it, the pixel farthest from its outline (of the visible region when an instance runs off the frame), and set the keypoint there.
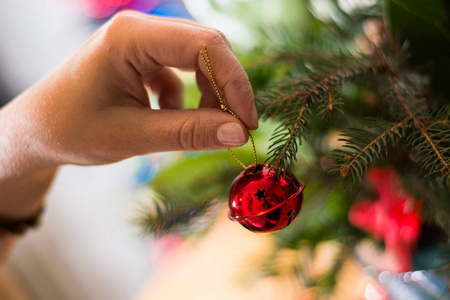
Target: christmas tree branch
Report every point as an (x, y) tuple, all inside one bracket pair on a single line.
[(330, 100), (287, 56), (431, 122), (326, 81), (401, 98), (166, 216), (418, 123), (324, 88), (344, 171), (446, 167), (286, 98), (332, 103), (281, 157), (364, 146)]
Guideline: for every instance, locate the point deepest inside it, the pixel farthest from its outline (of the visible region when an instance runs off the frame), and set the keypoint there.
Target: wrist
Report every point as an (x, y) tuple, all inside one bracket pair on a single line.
[(22, 138), (25, 175), (22, 197)]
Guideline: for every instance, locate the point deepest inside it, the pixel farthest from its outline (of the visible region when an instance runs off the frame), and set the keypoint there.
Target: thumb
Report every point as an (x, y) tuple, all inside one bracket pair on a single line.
[(170, 130)]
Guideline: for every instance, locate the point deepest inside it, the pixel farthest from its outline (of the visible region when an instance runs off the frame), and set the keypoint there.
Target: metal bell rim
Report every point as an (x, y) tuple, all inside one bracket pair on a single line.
[(235, 218)]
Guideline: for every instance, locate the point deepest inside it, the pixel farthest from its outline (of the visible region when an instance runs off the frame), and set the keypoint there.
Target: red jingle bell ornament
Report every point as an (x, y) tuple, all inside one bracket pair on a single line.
[(262, 203), (258, 200)]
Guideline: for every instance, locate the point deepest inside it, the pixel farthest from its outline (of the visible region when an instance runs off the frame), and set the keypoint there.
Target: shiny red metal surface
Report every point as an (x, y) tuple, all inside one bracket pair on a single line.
[(261, 203)]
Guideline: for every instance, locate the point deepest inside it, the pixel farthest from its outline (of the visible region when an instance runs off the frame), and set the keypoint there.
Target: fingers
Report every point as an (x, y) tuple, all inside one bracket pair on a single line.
[(151, 42), (233, 83), (168, 86), (173, 20), (209, 97), (143, 131)]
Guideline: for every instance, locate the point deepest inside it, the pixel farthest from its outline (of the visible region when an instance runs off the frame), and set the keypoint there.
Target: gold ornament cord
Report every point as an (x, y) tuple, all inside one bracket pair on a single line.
[(205, 57)]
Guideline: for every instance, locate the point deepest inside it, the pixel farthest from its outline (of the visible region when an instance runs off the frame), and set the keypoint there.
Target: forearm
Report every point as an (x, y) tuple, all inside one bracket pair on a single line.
[(24, 176), (25, 173)]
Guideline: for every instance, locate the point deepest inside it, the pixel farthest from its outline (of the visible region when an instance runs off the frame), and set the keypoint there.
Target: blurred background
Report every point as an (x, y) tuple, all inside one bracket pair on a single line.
[(90, 245)]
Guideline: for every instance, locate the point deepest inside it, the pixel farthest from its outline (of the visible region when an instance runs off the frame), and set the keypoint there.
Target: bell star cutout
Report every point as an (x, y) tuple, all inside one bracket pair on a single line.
[(393, 217)]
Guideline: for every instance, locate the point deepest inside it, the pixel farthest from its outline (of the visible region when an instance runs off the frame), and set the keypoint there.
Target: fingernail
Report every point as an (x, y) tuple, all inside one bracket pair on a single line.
[(231, 134)]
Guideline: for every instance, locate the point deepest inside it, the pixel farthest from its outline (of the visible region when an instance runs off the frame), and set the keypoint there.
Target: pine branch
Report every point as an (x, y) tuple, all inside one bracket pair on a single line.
[(282, 104), (432, 140), (402, 99), (166, 216), (433, 149), (286, 140), (316, 85), (438, 122), (286, 56), (365, 147), (292, 135), (332, 105), (337, 71), (301, 93), (430, 190)]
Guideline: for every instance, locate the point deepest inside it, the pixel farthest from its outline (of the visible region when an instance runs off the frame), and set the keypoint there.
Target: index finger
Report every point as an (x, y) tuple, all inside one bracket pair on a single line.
[(154, 41)]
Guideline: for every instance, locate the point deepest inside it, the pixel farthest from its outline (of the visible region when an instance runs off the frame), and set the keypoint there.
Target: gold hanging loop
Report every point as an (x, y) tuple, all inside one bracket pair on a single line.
[(205, 57)]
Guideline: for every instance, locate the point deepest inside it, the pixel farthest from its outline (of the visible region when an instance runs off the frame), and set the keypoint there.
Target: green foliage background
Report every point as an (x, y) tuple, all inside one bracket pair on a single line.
[(303, 42)]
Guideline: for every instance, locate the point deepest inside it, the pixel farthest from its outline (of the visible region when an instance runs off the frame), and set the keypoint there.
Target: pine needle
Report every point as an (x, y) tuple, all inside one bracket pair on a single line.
[(365, 147), (164, 217), (291, 102)]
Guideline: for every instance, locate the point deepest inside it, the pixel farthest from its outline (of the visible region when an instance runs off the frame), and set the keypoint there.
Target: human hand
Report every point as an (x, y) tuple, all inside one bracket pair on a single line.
[(94, 109)]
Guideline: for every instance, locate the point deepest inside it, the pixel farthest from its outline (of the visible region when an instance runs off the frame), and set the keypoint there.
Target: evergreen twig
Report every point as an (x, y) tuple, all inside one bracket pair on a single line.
[(306, 91), (166, 216), (322, 83), (331, 105), (365, 147), (430, 163)]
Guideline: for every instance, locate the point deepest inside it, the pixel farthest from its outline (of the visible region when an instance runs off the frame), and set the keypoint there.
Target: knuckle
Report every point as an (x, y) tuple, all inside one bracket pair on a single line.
[(214, 36), (119, 23), (190, 135), (236, 84), (186, 134), (123, 17), (115, 38)]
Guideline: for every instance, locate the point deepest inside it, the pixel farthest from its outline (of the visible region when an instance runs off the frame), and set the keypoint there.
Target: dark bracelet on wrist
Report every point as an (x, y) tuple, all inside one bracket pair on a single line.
[(18, 227)]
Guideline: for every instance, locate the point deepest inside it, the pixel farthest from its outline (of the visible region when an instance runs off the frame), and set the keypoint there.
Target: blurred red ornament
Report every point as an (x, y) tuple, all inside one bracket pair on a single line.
[(99, 9), (263, 203), (393, 217)]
